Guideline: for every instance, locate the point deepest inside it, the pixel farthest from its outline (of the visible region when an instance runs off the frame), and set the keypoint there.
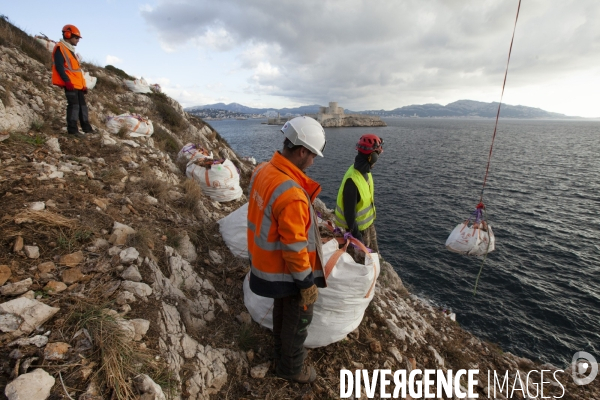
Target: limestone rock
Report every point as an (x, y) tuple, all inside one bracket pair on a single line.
[(260, 371), (53, 287), (149, 389), (151, 200), (187, 250), (32, 312), (35, 385), (189, 345), (46, 267), (244, 318), (56, 351), (132, 274), (5, 273), (32, 252), (129, 255), (124, 297), (375, 346), (98, 245), (215, 257), (17, 288), (140, 327), (37, 341), (37, 206), (102, 203), (72, 275), (73, 259), (18, 245), (53, 145), (140, 289), (119, 234)]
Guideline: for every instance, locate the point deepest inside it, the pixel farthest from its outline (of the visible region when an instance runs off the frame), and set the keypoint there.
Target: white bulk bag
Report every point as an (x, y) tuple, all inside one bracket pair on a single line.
[(90, 81), (234, 229), (340, 307), (47, 43), (471, 241), (135, 124), (191, 152), (221, 182), (138, 85)]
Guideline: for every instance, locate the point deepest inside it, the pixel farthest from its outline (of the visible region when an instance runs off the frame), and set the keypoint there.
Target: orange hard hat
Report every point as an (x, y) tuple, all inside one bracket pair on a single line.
[(70, 31)]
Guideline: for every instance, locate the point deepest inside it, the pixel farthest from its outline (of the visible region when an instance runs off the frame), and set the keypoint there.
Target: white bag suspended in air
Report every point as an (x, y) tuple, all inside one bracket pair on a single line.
[(136, 125), (234, 229), (340, 307), (90, 81), (471, 240), (219, 180), (138, 86)]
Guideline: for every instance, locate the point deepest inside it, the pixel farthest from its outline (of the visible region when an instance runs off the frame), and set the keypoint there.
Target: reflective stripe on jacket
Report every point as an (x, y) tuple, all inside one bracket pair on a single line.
[(283, 238), (72, 68), (365, 208)]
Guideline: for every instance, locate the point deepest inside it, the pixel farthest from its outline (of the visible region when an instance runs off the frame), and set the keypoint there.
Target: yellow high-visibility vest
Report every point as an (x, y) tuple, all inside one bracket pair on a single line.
[(365, 208)]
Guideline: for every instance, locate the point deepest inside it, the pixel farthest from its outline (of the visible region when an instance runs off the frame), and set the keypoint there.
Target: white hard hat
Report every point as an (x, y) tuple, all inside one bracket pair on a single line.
[(306, 132)]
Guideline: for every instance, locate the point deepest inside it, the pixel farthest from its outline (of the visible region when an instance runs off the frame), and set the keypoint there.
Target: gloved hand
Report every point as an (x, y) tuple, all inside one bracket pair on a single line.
[(69, 86), (309, 295), (84, 90)]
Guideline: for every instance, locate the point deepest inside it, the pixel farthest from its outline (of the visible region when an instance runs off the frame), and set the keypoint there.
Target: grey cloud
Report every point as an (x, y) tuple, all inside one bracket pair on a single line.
[(383, 51)]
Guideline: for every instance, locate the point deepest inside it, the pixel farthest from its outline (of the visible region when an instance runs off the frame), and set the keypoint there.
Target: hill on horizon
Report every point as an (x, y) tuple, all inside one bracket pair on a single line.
[(457, 109)]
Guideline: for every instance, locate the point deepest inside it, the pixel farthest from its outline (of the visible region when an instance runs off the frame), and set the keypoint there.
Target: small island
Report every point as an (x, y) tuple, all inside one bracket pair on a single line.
[(334, 117)]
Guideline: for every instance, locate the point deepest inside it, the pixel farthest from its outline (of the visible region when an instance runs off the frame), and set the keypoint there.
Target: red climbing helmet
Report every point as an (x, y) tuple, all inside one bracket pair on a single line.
[(369, 143)]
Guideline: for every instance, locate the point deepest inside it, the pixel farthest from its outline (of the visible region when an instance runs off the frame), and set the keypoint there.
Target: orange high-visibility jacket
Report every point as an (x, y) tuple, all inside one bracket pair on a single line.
[(72, 68), (283, 238)]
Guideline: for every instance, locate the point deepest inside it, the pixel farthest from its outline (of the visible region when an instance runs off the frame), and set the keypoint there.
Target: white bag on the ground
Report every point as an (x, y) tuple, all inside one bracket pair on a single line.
[(471, 241), (47, 43), (234, 229), (135, 124), (90, 81), (221, 182), (191, 152), (340, 307), (138, 86)]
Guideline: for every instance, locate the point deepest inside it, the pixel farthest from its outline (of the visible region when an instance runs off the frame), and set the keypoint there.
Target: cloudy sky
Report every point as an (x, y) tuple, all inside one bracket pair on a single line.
[(377, 54)]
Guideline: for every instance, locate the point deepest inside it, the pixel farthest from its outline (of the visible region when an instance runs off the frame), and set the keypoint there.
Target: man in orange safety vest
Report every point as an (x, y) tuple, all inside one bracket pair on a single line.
[(284, 243), (67, 73)]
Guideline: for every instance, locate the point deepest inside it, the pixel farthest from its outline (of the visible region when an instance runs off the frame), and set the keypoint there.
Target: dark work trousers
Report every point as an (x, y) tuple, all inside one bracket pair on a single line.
[(77, 111), (290, 328)]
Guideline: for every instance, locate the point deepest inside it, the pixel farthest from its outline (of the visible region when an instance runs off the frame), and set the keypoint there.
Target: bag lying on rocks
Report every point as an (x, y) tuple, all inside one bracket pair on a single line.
[(135, 124), (475, 240), (90, 81), (340, 306), (46, 42), (234, 230), (192, 151), (138, 86), (218, 179)]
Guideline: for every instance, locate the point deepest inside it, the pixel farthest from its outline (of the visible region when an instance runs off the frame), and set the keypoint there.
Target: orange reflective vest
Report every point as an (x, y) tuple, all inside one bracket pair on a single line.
[(283, 237), (72, 68)]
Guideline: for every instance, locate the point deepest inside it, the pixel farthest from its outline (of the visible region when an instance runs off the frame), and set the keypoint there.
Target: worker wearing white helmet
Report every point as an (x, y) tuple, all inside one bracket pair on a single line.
[(285, 245)]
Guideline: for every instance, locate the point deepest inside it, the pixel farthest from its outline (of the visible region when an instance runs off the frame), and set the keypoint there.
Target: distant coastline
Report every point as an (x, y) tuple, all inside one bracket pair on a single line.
[(457, 109)]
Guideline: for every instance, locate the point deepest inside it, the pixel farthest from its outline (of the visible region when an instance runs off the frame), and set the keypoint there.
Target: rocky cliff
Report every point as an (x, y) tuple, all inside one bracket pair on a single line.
[(115, 282)]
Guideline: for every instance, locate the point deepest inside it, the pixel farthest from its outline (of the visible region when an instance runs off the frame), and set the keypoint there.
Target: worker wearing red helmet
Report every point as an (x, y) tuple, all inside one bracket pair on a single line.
[(355, 208), (67, 73)]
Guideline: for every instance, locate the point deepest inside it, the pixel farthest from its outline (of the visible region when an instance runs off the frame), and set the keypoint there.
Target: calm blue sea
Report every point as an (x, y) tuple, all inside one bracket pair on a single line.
[(539, 293)]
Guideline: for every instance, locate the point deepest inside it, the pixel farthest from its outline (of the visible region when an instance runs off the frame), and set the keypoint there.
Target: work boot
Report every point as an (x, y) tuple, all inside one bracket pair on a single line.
[(306, 375), (78, 135)]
